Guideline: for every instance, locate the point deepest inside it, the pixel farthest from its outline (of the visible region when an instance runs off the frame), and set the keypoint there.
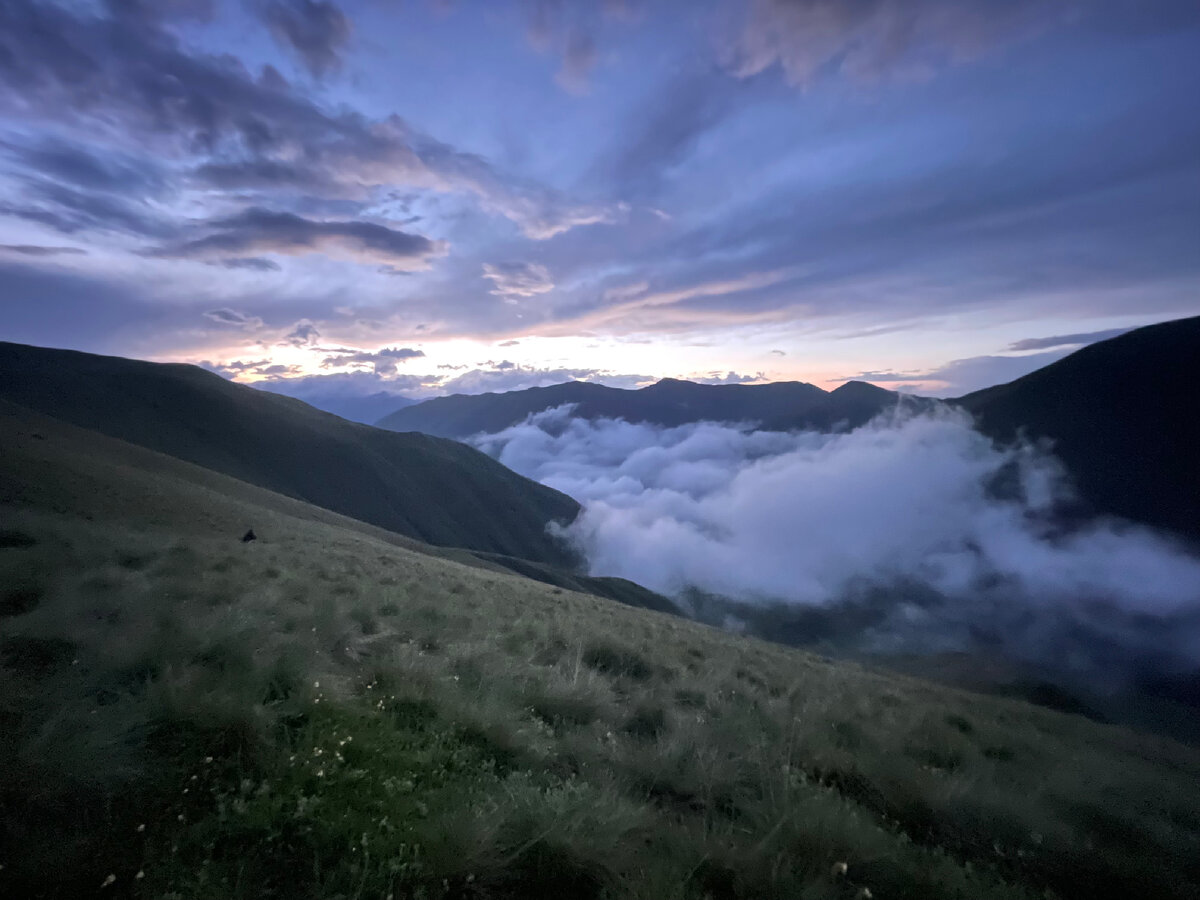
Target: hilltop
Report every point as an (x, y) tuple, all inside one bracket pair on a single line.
[(1124, 418)]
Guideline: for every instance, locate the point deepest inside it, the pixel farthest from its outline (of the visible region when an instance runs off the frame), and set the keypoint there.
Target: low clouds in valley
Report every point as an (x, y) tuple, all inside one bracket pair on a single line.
[(952, 542)]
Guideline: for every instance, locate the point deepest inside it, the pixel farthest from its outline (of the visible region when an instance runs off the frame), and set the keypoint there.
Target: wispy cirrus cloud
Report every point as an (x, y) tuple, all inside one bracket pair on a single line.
[(39, 250), (126, 75), (869, 40), (316, 31), (1067, 340), (383, 362), (303, 334), (515, 280), (256, 231), (234, 319)]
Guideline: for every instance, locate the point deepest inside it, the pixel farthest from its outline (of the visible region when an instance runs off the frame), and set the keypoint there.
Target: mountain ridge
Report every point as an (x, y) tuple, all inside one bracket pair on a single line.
[(423, 487), (668, 402), (1121, 417)]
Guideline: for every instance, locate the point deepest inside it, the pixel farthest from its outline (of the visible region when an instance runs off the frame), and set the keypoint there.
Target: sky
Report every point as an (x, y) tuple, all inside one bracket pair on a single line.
[(432, 196)]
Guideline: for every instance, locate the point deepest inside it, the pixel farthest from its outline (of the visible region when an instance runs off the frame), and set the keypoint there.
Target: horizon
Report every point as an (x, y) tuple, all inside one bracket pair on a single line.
[(280, 385), (451, 198)]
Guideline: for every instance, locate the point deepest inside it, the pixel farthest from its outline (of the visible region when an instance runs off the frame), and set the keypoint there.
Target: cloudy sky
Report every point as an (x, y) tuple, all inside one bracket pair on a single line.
[(436, 195)]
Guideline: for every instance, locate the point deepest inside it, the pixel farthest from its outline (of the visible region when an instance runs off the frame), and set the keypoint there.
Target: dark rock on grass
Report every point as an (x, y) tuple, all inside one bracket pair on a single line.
[(12, 539)]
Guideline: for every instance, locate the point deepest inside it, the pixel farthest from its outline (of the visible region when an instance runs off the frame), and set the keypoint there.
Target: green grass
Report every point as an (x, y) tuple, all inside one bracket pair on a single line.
[(324, 713)]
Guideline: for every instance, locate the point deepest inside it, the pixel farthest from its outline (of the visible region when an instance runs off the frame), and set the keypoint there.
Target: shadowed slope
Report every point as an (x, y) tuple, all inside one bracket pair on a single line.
[(435, 490), (847, 407), (1124, 417)]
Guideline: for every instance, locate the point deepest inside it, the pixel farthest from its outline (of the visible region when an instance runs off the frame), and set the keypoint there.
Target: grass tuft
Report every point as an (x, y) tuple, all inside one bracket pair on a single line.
[(14, 539), (617, 660)]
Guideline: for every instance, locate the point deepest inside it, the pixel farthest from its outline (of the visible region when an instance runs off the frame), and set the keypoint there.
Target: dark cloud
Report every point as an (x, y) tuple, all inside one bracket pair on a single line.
[(237, 365), (727, 378), (154, 12), (542, 21), (1067, 340), (778, 353), (226, 316), (68, 210), (666, 128), (70, 187), (315, 30), (962, 376), (508, 343), (259, 174), (126, 77), (868, 40), (1044, 217), (383, 362), (401, 353), (303, 334), (572, 28), (341, 392), (264, 231), (516, 378), (502, 376), (513, 280), (261, 368), (91, 169), (579, 57), (252, 263), (37, 250)]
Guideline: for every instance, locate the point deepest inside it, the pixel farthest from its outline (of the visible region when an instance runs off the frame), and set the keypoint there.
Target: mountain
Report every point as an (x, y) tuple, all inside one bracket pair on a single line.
[(365, 409), (670, 402), (1124, 418), (853, 404), (336, 710), (434, 490)]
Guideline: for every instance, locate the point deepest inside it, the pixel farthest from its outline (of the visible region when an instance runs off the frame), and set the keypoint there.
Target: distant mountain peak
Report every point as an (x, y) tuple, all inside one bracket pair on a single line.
[(860, 389), (668, 402)]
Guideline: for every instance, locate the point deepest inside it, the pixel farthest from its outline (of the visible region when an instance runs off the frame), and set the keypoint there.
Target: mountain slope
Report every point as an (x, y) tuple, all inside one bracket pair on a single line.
[(1124, 416), (846, 407), (434, 490), (364, 409), (329, 712), (668, 402)]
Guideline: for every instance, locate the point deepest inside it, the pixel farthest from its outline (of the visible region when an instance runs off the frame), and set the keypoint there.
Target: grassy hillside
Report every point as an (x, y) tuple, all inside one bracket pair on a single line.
[(328, 712), (669, 402), (1124, 416), (437, 491)]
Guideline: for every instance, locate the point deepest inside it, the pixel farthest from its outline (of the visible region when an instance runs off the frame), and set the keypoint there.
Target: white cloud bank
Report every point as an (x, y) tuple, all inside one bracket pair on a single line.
[(810, 519)]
